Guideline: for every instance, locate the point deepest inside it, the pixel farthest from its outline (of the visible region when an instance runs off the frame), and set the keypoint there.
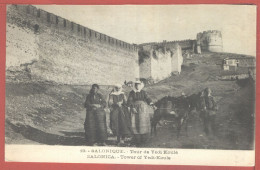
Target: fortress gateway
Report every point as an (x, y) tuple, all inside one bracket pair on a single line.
[(49, 47)]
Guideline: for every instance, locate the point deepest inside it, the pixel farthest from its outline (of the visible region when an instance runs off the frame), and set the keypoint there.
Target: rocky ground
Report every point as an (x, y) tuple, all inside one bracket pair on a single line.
[(39, 112)]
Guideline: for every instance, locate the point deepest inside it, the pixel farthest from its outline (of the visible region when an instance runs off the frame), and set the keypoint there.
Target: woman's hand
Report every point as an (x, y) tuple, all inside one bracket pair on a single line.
[(96, 105), (119, 104), (129, 110), (134, 110)]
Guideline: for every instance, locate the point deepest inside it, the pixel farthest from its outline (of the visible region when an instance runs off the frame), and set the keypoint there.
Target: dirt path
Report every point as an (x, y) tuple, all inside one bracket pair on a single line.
[(71, 132), (53, 114)]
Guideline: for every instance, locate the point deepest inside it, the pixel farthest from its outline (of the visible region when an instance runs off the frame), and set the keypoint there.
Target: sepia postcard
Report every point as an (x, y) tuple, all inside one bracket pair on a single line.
[(131, 84)]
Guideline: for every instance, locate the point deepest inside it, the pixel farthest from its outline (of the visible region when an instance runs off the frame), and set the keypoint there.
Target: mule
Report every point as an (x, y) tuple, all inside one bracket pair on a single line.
[(178, 108)]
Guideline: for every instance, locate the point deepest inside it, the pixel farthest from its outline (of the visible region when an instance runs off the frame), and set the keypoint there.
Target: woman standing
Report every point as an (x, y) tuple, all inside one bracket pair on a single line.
[(141, 113), (95, 122), (119, 115)]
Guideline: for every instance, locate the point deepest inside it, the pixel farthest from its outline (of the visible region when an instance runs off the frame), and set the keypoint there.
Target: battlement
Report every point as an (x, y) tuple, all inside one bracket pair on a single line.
[(66, 52), (210, 40), (184, 44), (168, 42), (61, 24), (211, 32)]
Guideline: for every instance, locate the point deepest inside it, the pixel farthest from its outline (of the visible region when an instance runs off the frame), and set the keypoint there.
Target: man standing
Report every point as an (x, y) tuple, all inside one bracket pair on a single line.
[(183, 109), (210, 114)]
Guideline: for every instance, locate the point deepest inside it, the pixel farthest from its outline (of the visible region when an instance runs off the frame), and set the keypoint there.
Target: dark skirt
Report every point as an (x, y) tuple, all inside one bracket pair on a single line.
[(120, 121), (95, 126)]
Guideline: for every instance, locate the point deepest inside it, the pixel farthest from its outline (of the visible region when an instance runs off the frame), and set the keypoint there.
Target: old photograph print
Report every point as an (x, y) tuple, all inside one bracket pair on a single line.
[(131, 76)]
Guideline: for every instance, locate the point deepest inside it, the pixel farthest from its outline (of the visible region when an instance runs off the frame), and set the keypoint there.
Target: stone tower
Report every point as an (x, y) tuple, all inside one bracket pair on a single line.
[(210, 41)]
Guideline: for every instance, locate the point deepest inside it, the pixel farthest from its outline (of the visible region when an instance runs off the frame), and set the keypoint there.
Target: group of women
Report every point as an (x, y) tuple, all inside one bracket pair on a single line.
[(129, 118)]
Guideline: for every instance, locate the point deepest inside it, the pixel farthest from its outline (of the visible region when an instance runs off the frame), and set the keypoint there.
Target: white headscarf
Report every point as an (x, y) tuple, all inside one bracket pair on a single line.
[(138, 82), (114, 92)]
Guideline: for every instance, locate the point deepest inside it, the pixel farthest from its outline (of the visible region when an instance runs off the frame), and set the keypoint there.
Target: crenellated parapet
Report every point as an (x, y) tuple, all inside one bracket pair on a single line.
[(38, 18), (210, 41), (185, 44), (65, 52)]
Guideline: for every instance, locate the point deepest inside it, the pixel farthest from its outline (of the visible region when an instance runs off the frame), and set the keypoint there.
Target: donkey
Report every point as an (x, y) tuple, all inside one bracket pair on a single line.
[(165, 107), (177, 107)]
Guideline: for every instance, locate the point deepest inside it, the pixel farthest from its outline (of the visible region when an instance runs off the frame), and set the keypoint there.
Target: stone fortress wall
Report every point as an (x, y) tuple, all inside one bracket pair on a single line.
[(153, 68), (160, 61), (184, 44), (205, 41), (64, 51), (63, 25)]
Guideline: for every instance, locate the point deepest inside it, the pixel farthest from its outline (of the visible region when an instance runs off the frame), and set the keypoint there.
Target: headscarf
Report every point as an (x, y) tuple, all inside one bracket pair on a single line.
[(92, 88), (115, 92), (138, 82)]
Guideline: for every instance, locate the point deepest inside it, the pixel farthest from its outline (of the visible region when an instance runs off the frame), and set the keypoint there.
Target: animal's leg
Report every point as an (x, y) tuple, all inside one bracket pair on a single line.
[(180, 122), (159, 122), (155, 131), (155, 120), (186, 125), (158, 118), (213, 125), (155, 125), (206, 124), (152, 129), (152, 126), (187, 120)]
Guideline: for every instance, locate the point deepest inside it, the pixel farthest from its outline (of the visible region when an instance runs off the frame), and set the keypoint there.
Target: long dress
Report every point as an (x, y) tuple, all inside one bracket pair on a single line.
[(141, 123), (120, 120), (95, 122)]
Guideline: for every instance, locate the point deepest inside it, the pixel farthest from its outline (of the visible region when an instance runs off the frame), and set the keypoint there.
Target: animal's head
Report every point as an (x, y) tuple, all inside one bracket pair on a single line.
[(164, 100), (160, 102), (166, 104)]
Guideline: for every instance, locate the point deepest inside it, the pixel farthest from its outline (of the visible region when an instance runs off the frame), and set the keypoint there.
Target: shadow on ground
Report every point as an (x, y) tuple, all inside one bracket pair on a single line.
[(39, 136), (31, 133), (73, 134)]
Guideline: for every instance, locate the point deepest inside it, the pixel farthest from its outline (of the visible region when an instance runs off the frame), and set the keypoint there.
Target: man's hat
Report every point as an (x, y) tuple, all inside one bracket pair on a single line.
[(138, 82), (208, 90), (118, 85)]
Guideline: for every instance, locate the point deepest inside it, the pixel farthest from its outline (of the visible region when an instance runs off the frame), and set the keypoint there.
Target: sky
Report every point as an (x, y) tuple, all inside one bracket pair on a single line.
[(155, 23)]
